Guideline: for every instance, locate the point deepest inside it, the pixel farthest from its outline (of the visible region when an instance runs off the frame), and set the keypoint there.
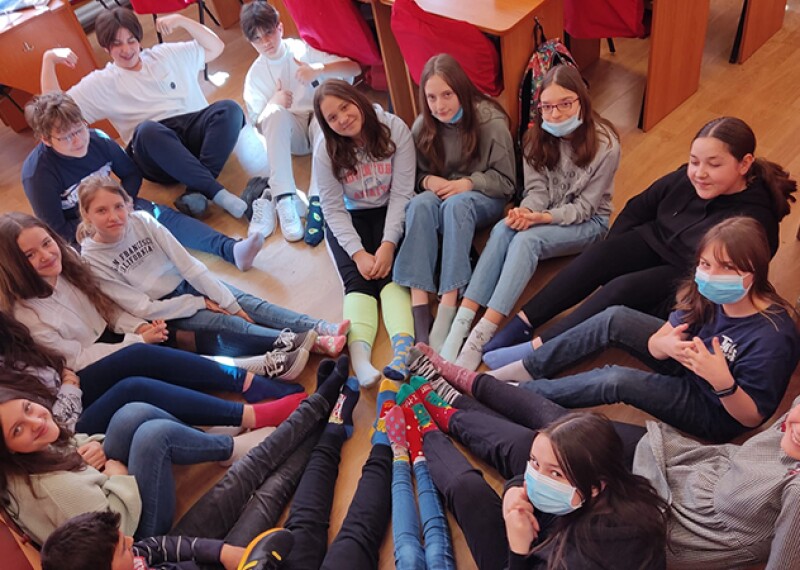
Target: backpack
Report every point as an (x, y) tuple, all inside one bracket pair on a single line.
[(546, 54)]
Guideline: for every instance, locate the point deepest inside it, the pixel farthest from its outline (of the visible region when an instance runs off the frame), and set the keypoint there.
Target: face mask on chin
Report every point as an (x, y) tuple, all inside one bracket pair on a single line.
[(563, 128)]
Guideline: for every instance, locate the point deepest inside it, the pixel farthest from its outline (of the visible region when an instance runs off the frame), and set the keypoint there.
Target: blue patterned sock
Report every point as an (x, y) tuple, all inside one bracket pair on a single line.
[(396, 369), (315, 230)]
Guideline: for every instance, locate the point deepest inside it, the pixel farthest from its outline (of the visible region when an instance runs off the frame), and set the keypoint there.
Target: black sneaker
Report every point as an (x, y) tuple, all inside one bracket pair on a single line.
[(253, 191), (192, 204), (288, 340), (285, 365), (268, 550)]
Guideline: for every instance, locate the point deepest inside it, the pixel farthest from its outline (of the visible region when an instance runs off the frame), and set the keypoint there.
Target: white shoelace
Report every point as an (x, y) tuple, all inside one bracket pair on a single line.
[(275, 363), (259, 211), (286, 339)]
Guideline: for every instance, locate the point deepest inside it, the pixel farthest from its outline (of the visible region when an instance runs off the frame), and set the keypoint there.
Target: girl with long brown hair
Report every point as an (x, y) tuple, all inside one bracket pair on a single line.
[(364, 164), (570, 158), (466, 172)]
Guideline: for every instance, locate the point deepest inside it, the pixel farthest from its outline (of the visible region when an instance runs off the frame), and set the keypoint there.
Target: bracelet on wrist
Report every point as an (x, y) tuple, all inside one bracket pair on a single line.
[(726, 391)]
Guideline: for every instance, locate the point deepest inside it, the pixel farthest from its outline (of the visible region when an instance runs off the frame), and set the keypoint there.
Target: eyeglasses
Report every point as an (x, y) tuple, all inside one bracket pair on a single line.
[(563, 106), (69, 137)]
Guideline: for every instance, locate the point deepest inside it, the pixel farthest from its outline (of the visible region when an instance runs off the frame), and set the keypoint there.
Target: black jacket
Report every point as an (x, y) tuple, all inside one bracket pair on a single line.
[(672, 219)]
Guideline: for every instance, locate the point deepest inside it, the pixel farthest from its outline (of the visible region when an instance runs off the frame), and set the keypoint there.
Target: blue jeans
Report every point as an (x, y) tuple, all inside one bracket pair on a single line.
[(269, 320), (162, 363), (150, 441), (195, 408), (510, 258), (669, 392), (408, 551), (192, 233), (456, 219), (435, 530)]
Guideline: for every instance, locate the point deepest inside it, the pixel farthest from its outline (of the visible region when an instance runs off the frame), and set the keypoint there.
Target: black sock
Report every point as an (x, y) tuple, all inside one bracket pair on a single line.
[(329, 385), (422, 322)]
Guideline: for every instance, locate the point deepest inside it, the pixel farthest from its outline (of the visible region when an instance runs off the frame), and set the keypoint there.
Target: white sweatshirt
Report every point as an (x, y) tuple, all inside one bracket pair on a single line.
[(148, 263), (68, 323)]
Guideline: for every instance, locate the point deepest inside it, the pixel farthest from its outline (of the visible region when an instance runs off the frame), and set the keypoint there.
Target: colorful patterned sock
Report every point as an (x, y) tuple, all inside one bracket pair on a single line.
[(412, 400), (342, 414), (440, 411), (315, 224), (396, 369), (386, 400), (413, 435), (329, 345), (420, 365), (327, 328), (470, 356)]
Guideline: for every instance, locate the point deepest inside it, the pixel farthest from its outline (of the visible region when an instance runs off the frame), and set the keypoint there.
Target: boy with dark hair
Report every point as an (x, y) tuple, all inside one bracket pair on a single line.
[(69, 152), (278, 93), (153, 98), (93, 541)]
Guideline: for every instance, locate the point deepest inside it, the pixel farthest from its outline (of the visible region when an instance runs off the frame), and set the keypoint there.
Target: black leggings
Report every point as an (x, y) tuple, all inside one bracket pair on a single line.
[(626, 269)]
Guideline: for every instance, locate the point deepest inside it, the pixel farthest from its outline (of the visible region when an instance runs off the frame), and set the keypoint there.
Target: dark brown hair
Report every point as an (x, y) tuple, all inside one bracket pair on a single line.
[(52, 111), (542, 150), (740, 141), (590, 452), (258, 17), (378, 143), (743, 242), (20, 281), (19, 351), (61, 455), (87, 190), (430, 151), (108, 23), (85, 541)]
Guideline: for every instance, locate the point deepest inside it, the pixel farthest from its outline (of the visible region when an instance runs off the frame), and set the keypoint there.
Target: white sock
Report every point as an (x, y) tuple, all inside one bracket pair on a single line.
[(441, 326), (458, 332), (472, 352), (234, 205), (515, 371), (360, 358)]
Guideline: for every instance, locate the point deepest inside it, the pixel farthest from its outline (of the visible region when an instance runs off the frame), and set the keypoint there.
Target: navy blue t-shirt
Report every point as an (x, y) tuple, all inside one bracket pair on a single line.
[(762, 351), (50, 180)]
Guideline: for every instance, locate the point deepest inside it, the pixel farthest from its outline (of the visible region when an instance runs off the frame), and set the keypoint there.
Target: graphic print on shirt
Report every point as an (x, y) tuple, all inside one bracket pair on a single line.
[(133, 256), (728, 348), (69, 197), (370, 175)]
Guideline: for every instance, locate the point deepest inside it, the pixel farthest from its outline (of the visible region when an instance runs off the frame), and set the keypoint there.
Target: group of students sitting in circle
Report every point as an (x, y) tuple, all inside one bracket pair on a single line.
[(109, 340)]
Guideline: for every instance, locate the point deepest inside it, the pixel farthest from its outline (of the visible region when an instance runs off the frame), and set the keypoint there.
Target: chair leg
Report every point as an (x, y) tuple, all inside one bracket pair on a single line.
[(201, 5), (611, 47), (158, 34)]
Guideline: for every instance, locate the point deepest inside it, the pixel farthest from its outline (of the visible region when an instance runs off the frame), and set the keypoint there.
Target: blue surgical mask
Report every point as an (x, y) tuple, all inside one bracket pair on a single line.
[(548, 495), (563, 128), (720, 289), (457, 117)]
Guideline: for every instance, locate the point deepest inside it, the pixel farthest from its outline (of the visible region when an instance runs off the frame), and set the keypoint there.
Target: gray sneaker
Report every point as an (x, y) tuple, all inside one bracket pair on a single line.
[(288, 340), (285, 365)]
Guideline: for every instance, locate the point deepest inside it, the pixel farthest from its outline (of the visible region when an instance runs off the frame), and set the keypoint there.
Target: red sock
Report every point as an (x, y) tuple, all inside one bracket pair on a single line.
[(413, 435), (440, 414), (273, 413)]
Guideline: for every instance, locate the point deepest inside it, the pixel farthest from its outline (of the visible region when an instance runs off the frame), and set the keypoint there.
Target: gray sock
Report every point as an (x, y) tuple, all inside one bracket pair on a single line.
[(360, 358), (441, 326), (234, 205), (446, 391), (471, 354), (458, 332), (515, 371)]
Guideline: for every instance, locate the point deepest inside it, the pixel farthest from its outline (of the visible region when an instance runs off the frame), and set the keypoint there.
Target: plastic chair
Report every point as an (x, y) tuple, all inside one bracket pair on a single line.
[(155, 7)]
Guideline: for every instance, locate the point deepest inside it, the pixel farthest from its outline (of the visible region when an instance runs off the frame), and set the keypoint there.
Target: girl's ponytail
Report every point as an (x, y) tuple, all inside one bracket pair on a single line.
[(780, 185)]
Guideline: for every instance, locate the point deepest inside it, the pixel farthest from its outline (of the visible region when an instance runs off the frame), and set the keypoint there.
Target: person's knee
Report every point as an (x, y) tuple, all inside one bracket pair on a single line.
[(150, 133), (153, 434), (230, 110), (276, 119), (526, 244), (425, 204), (137, 352), (458, 208)]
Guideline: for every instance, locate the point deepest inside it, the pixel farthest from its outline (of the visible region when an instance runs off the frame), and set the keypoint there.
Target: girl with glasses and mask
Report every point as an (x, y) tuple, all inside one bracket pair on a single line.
[(571, 155), (652, 243), (719, 366)]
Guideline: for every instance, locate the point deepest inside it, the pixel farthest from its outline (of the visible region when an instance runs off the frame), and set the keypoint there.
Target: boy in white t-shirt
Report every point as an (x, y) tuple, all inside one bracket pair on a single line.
[(154, 100), (278, 93)]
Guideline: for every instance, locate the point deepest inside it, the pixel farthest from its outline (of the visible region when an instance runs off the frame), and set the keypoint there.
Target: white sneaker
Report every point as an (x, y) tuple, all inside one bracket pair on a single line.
[(263, 221), (291, 226)]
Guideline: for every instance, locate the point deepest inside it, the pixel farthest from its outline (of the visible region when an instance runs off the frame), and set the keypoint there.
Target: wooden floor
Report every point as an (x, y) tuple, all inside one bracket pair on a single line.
[(765, 92)]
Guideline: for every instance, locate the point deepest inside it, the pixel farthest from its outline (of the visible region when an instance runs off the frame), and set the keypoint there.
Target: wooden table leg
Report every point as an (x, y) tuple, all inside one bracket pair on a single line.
[(397, 76), (676, 53)]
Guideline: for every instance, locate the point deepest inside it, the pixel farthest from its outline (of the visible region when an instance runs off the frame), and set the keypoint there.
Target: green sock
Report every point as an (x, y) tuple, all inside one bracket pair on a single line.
[(409, 398)]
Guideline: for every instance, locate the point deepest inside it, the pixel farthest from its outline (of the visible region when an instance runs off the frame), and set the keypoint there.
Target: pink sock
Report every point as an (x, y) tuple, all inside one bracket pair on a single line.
[(273, 413)]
